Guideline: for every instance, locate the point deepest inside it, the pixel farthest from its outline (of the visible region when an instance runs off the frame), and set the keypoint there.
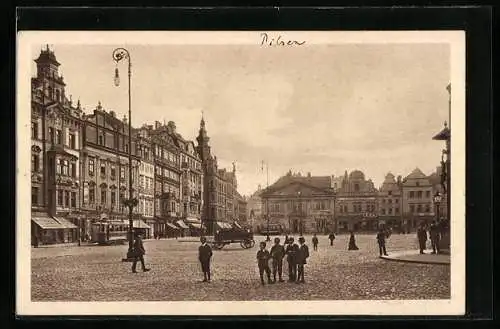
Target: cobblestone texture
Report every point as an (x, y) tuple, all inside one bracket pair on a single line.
[(93, 273)]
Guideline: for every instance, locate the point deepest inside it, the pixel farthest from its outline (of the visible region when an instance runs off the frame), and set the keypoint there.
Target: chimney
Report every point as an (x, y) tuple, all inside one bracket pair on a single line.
[(112, 113)]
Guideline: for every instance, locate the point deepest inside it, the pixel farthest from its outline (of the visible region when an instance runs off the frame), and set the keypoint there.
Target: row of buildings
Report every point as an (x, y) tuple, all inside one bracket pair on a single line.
[(307, 204), (80, 170)]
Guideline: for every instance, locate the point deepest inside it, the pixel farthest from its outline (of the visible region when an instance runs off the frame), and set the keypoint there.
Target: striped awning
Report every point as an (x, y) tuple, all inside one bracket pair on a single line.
[(140, 224), (47, 223), (195, 225), (65, 223), (182, 224), (172, 226), (224, 225)]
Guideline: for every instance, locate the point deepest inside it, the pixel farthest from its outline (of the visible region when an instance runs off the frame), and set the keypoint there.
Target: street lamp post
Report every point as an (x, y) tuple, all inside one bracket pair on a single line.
[(118, 55), (437, 202), (300, 213)]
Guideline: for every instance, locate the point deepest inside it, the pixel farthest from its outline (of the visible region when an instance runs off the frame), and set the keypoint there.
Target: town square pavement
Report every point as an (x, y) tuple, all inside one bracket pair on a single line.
[(96, 273)]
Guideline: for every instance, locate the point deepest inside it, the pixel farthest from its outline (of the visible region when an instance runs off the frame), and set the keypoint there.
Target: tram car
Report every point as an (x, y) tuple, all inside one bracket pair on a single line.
[(105, 233)]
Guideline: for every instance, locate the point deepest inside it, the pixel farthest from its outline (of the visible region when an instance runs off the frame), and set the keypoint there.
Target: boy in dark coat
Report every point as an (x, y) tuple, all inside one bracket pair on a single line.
[(302, 256), (277, 254), (139, 253), (263, 257), (422, 237), (331, 237), (381, 242), (204, 256), (291, 252), (315, 242), (435, 237)]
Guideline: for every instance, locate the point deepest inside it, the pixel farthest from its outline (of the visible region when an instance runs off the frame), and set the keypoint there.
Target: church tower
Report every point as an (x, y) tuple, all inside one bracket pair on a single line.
[(48, 78), (203, 139)]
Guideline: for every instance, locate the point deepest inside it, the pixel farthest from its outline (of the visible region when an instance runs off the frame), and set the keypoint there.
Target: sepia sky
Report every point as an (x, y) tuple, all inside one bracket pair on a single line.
[(322, 109)]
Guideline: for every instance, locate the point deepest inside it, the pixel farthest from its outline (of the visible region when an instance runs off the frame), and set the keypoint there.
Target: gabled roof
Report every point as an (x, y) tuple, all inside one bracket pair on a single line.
[(320, 184), (416, 174)]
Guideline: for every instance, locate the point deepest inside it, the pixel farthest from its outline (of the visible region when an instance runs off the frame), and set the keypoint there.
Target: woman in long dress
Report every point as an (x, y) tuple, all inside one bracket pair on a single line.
[(352, 242)]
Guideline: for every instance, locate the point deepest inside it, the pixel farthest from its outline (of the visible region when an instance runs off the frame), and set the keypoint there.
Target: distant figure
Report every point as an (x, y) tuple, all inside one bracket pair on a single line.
[(435, 237), (331, 237), (277, 255), (263, 257), (302, 256), (286, 240), (315, 242), (422, 238), (138, 254), (291, 251), (352, 242), (204, 256), (381, 235)]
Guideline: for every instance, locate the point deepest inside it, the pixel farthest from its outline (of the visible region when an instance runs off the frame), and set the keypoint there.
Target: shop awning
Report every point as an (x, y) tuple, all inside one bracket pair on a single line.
[(65, 223), (46, 223), (140, 224), (182, 224), (172, 226), (195, 225), (193, 220), (224, 225)]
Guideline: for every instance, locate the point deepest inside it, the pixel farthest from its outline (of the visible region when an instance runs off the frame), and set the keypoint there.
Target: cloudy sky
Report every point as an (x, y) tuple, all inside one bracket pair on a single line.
[(322, 109)]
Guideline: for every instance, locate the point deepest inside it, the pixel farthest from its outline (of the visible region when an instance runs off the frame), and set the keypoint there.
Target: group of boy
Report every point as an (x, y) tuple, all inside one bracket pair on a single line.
[(296, 258)]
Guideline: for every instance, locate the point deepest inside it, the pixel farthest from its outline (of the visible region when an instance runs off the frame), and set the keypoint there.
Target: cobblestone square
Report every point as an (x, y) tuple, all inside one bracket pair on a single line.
[(93, 273)]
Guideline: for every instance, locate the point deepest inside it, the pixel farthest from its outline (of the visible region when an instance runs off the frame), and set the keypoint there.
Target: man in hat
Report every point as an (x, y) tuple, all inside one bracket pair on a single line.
[(331, 237), (381, 236), (139, 253), (204, 256), (435, 237), (302, 256), (277, 255), (263, 257), (422, 237), (291, 252)]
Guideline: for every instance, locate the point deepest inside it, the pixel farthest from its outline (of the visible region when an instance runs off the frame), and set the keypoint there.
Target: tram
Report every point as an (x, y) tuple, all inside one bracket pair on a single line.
[(109, 233)]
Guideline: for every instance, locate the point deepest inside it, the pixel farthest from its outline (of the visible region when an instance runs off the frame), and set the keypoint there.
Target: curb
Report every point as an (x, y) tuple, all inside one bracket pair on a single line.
[(415, 261)]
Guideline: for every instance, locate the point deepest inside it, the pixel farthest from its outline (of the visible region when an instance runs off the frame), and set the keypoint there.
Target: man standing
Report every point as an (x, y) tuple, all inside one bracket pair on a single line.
[(331, 237), (291, 252), (204, 256), (139, 253), (381, 242), (302, 255), (435, 237), (315, 242), (277, 254), (422, 237)]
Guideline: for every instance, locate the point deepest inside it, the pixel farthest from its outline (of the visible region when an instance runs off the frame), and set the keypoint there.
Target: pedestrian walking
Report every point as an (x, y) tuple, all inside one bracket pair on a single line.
[(331, 237), (422, 237), (381, 235), (302, 255), (291, 252), (138, 252), (352, 242), (315, 242), (435, 237), (277, 255), (205, 256), (263, 257)]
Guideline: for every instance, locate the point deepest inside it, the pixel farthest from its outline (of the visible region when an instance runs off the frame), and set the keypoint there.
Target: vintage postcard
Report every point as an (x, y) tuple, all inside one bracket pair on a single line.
[(241, 173)]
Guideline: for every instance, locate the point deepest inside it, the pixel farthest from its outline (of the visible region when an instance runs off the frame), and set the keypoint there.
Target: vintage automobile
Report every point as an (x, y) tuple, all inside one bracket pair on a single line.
[(233, 233)]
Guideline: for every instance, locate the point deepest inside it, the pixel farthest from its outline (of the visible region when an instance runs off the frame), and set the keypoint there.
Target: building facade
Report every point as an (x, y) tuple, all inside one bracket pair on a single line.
[(146, 178), (254, 209), (390, 202), (356, 204), (417, 192), (105, 168), (219, 186), (300, 204), (55, 147)]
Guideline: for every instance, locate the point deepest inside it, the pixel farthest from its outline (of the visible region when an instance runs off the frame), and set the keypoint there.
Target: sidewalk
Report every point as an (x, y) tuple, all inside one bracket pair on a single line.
[(194, 239), (413, 256)]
